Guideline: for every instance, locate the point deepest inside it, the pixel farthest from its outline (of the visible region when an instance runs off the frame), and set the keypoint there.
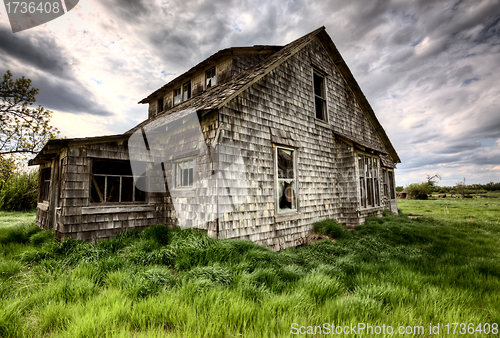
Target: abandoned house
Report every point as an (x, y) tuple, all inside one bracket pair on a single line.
[(298, 140)]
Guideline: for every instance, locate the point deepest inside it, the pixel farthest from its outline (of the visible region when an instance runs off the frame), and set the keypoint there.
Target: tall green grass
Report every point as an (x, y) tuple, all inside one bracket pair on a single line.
[(181, 283)]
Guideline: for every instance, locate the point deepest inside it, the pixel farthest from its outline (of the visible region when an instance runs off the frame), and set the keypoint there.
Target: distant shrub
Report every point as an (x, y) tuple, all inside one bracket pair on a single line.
[(330, 228), (19, 192), (419, 190)]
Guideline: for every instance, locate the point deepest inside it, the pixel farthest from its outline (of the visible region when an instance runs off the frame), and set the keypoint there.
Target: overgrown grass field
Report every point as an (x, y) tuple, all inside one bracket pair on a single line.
[(392, 270)]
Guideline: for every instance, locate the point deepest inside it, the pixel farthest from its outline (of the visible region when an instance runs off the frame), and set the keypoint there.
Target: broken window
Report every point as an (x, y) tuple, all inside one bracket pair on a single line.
[(186, 91), (159, 105), (368, 181), (185, 174), (113, 182), (287, 182), (44, 185), (210, 79), (177, 96), (319, 95)]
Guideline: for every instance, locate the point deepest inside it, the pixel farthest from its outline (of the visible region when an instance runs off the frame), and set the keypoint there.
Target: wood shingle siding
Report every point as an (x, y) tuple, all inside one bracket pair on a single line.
[(260, 112)]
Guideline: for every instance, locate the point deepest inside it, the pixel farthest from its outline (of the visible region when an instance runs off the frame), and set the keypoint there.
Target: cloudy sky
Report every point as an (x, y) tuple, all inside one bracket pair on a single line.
[(429, 68)]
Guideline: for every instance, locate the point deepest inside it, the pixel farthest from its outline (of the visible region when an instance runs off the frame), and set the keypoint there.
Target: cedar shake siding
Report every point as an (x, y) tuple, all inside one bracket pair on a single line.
[(293, 108)]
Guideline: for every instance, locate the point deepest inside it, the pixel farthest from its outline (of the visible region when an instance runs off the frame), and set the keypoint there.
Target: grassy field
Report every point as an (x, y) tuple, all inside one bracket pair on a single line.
[(482, 213), (13, 218), (392, 271)]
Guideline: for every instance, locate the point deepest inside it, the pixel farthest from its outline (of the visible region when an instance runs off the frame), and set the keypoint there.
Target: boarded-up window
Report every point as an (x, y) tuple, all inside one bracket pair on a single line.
[(177, 96), (287, 182), (210, 79), (185, 174), (319, 95), (113, 182), (44, 185), (186, 91), (368, 181)]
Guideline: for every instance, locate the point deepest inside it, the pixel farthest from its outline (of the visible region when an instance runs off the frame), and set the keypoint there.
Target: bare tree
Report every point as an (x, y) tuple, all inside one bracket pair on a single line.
[(460, 186), (431, 179)]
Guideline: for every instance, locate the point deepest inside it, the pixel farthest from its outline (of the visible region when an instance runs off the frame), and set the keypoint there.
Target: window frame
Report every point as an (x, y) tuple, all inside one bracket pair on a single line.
[(105, 189), (45, 184), (368, 167), (189, 91), (392, 184), (323, 98), (177, 101), (214, 69), (160, 107), (278, 179), (176, 173)]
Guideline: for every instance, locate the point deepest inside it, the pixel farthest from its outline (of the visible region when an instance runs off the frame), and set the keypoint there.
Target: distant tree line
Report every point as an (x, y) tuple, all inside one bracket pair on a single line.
[(426, 188)]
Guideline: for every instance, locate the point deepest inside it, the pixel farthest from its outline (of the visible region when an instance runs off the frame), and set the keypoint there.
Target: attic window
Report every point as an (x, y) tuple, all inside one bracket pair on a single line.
[(177, 96), (159, 106), (186, 91), (319, 95), (210, 79), (113, 182)]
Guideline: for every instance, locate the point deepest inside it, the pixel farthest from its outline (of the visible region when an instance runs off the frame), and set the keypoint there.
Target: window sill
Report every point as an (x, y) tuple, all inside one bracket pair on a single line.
[(43, 205), (322, 123), (291, 216), (112, 209)]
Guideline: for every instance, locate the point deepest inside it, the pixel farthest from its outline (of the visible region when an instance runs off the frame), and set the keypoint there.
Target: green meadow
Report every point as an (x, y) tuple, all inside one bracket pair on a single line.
[(392, 271)]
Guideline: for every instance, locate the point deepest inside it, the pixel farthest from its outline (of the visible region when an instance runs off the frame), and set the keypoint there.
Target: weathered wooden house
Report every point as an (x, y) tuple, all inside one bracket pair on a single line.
[(311, 148)]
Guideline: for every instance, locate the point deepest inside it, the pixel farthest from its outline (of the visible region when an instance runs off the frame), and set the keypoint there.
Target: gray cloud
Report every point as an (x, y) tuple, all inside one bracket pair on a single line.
[(41, 52)]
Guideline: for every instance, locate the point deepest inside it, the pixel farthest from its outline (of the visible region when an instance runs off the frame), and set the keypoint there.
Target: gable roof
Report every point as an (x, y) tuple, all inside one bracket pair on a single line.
[(219, 95)]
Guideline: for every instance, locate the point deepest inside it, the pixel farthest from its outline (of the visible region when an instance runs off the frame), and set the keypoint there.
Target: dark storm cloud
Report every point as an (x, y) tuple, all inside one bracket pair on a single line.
[(62, 95), (67, 96), (39, 51)]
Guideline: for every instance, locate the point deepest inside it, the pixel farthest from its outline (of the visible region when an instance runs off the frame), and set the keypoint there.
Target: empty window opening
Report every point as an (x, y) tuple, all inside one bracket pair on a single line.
[(185, 174), (45, 185), (319, 95), (210, 79), (159, 106), (287, 183), (113, 182), (186, 91), (177, 96)]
